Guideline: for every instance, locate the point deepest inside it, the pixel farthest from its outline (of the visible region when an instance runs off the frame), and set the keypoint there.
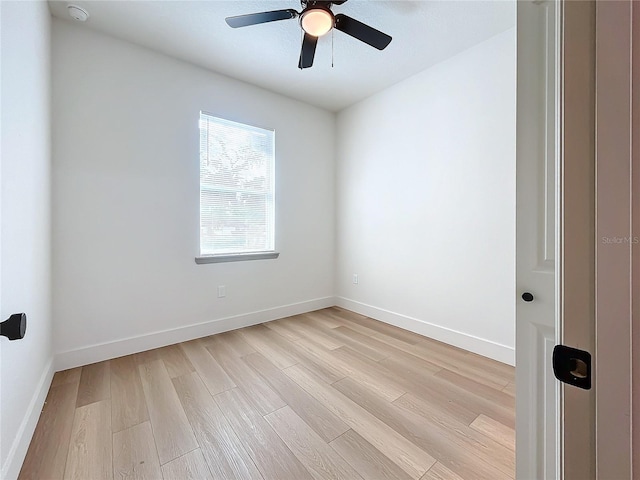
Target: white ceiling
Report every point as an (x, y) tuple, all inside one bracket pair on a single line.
[(424, 33)]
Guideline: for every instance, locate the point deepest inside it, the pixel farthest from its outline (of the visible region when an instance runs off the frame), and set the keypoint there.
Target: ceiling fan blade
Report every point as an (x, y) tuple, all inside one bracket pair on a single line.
[(362, 32), (308, 51), (263, 17), (340, 2)]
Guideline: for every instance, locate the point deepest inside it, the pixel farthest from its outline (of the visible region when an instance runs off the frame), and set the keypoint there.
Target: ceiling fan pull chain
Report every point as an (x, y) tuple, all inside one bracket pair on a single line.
[(332, 37)]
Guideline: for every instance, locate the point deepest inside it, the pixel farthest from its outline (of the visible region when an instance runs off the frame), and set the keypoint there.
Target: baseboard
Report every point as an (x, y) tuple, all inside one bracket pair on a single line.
[(18, 450), (481, 346), (127, 346)]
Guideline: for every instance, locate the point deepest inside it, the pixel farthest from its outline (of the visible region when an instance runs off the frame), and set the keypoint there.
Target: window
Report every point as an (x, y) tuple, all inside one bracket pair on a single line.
[(236, 191)]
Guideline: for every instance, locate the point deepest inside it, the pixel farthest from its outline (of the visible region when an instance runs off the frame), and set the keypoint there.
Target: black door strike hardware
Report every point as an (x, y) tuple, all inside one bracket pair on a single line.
[(572, 366), (14, 327)]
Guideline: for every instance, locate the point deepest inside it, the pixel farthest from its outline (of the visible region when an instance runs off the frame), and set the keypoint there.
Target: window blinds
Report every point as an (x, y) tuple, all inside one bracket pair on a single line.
[(236, 187)]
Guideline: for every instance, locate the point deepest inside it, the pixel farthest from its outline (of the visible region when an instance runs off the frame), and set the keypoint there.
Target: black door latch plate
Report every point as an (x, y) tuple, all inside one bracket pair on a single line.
[(572, 366)]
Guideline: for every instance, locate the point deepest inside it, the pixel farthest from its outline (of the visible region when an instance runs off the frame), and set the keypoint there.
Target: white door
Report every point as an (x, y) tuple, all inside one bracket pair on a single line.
[(555, 236), (537, 155)]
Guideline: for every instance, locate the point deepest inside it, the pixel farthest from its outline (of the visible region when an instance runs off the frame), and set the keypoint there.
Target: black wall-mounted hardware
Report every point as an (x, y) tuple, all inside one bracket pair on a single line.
[(572, 366), (527, 297), (14, 327)]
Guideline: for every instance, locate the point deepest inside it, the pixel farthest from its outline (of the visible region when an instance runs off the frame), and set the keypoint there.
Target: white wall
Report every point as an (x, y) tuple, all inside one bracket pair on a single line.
[(126, 201), (426, 201), (25, 272), (425, 212)]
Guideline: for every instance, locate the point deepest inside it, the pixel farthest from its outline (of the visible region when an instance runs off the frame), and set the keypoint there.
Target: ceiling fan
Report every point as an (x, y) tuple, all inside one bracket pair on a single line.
[(316, 19)]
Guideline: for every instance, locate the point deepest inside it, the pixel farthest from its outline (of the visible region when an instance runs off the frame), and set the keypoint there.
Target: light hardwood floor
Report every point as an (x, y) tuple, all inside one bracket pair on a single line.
[(324, 395)]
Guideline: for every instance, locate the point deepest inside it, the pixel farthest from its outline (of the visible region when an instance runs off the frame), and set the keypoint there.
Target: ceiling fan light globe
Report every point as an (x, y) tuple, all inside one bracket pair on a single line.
[(317, 21)]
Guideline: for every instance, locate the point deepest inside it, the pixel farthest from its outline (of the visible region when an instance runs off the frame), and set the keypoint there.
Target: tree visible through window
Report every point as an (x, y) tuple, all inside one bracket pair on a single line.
[(236, 187)]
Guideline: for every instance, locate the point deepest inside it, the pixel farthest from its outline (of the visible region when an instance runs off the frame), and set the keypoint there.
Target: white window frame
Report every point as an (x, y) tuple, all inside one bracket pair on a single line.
[(236, 256)]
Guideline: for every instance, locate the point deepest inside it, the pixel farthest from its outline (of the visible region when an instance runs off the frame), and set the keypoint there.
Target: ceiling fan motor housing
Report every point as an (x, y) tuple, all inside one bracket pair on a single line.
[(318, 3)]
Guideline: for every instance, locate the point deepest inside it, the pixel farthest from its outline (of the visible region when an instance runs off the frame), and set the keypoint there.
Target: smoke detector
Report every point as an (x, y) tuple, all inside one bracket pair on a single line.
[(77, 13)]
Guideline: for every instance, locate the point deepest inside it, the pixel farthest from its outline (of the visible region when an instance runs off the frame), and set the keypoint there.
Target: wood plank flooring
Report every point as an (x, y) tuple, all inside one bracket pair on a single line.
[(325, 395)]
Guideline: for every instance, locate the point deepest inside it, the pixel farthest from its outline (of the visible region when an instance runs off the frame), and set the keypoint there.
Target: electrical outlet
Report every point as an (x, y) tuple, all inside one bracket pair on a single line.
[(222, 291), (355, 278)]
